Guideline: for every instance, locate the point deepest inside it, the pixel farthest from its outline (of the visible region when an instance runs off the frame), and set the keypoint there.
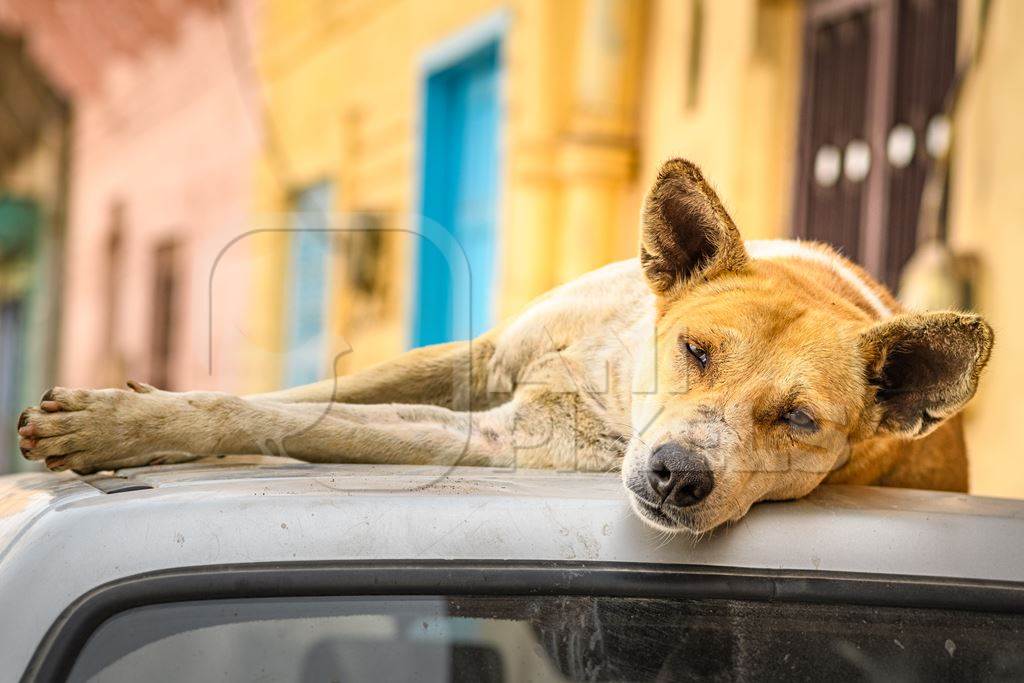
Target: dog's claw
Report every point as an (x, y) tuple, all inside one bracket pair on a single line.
[(140, 387), (56, 462)]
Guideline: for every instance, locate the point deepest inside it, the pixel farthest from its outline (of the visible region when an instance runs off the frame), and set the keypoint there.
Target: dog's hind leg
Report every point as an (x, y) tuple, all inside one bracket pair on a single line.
[(453, 375)]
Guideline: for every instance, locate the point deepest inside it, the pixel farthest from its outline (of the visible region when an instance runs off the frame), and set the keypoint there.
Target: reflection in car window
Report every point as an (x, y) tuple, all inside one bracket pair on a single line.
[(545, 638)]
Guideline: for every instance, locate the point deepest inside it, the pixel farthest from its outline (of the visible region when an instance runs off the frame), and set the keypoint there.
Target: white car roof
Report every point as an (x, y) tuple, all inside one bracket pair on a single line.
[(62, 536)]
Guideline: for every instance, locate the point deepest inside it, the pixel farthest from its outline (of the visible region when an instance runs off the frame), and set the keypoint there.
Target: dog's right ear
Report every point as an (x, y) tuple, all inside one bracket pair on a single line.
[(686, 234)]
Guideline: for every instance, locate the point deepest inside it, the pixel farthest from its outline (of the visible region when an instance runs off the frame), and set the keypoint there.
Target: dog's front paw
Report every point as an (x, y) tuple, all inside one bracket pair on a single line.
[(84, 430)]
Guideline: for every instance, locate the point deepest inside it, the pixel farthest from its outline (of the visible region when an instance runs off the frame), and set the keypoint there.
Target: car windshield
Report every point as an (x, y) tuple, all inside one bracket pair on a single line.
[(546, 638)]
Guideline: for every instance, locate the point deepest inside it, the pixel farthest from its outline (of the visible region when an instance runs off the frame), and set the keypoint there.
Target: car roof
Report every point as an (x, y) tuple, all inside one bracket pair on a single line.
[(63, 535), (262, 508)]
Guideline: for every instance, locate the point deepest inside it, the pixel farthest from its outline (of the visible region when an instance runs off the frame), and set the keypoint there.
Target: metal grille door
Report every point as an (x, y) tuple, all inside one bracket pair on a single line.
[(876, 77), (832, 205)]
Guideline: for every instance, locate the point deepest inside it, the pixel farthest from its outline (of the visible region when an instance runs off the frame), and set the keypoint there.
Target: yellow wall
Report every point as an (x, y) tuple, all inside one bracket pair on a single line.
[(343, 103), (741, 127), (987, 219)]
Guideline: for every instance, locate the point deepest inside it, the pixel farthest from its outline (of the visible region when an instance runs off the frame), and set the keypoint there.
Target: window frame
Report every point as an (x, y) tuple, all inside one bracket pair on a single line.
[(56, 653)]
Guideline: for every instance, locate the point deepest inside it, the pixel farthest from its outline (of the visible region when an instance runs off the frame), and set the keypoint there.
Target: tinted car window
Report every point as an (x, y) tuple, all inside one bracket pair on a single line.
[(546, 639)]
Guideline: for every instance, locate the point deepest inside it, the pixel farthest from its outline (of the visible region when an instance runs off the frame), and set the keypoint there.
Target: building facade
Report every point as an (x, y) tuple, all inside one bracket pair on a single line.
[(526, 130), (164, 150), (585, 98), (985, 210), (264, 195), (34, 143), (159, 161)]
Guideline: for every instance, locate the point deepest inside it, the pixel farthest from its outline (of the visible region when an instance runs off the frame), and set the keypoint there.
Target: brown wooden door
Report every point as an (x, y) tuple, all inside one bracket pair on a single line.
[(837, 74), (874, 70)]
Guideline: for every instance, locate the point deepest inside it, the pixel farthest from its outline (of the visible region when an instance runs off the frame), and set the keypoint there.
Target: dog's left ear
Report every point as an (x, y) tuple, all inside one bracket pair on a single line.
[(924, 368), (686, 234)]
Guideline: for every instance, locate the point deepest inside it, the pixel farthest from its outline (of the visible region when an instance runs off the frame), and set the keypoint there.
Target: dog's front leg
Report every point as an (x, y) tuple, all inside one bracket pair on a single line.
[(88, 430)]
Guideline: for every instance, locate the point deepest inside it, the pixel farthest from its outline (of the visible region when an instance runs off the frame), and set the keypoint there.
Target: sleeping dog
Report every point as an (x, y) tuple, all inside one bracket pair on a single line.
[(711, 372)]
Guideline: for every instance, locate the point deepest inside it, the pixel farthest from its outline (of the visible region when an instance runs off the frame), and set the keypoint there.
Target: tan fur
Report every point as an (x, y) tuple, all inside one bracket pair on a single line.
[(596, 375)]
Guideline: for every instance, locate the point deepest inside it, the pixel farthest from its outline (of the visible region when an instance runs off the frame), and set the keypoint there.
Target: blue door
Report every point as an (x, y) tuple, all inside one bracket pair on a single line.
[(306, 312), (456, 277), (19, 245)]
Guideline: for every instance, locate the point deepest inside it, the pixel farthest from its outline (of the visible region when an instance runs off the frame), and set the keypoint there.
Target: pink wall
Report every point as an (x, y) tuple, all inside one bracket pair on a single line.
[(171, 134)]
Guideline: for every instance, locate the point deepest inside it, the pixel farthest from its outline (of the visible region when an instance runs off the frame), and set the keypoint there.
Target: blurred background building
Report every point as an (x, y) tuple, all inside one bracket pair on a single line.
[(34, 145), (145, 176), (246, 194)]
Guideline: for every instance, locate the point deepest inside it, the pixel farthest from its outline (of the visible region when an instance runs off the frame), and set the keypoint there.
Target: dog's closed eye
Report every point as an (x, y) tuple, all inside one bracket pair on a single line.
[(800, 419)]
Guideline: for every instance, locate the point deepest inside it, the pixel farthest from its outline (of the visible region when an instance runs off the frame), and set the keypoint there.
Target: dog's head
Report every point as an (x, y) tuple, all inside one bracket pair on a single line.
[(767, 377)]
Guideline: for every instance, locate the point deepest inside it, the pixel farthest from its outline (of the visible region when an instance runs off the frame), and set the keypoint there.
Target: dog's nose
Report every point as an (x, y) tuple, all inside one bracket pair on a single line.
[(679, 475)]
